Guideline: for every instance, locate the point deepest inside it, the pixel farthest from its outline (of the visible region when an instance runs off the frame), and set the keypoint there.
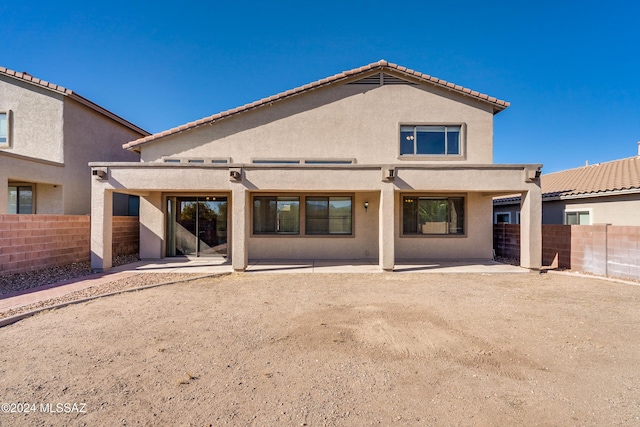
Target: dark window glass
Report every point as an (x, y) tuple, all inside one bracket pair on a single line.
[(430, 140), (433, 215), (328, 215), (276, 215)]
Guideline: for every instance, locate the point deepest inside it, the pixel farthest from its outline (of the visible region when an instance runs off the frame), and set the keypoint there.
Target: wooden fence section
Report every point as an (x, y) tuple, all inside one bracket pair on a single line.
[(607, 250), (33, 242)]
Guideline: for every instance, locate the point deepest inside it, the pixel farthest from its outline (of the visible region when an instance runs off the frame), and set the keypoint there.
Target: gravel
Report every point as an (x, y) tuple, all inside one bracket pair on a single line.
[(17, 282), (11, 283)]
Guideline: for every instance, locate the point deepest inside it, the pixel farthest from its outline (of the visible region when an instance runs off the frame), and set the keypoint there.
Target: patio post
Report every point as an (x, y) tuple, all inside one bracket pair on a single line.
[(531, 229), (101, 226), (239, 227), (386, 234)]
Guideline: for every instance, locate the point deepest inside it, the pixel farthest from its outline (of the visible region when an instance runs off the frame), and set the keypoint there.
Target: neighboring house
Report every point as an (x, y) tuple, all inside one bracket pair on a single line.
[(48, 136), (604, 193), (379, 163)]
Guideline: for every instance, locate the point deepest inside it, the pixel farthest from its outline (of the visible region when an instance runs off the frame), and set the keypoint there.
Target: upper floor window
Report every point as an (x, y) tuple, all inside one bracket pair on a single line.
[(4, 129), (430, 140)]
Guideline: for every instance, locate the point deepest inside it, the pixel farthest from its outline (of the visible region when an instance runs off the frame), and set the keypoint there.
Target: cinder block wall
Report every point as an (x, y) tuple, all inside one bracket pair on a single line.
[(607, 250), (506, 240), (556, 245), (623, 251), (33, 242), (126, 235)]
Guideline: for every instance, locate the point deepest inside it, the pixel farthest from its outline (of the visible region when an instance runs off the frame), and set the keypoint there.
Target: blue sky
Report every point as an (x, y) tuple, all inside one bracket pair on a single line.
[(569, 68)]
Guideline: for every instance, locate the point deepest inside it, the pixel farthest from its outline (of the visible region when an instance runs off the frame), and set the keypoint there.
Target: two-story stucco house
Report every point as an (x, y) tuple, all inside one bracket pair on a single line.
[(380, 163), (48, 136)]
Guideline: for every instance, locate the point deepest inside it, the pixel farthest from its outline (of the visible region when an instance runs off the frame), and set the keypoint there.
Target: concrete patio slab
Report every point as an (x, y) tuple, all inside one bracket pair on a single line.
[(313, 266), (469, 266)]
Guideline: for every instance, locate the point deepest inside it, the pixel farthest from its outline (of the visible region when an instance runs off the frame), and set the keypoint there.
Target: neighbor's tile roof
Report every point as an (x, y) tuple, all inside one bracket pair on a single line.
[(382, 65), (26, 77), (617, 175), (597, 179)]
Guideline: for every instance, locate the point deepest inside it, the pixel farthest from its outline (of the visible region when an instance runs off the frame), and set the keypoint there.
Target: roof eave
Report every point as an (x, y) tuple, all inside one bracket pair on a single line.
[(497, 104), (28, 78)]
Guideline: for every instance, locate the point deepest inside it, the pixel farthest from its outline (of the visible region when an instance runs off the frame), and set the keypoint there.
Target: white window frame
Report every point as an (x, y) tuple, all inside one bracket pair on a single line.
[(578, 211), (461, 142), (495, 217), (7, 142)]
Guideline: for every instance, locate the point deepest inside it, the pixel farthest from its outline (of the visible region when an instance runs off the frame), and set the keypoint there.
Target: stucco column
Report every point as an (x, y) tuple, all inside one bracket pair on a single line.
[(240, 218), (531, 229), (152, 226), (386, 232), (101, 226)]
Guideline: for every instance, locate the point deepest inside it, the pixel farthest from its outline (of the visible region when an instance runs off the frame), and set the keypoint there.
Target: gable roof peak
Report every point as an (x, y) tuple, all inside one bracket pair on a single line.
[(497, 104), (28, 78)]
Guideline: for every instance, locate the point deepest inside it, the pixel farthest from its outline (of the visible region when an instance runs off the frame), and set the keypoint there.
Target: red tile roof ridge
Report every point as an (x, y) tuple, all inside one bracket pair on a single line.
[(498, 104)]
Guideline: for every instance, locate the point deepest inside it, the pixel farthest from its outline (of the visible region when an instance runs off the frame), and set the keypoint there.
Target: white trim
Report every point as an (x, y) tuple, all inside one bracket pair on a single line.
[(578, 210), (495, 217), (7, 143)]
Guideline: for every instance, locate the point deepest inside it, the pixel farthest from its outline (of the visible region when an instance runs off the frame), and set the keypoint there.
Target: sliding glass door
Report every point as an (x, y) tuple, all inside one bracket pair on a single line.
[(197, 226)]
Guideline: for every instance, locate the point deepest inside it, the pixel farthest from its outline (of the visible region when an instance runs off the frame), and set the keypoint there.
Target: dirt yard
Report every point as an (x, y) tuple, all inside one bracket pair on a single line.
[(315, 350)]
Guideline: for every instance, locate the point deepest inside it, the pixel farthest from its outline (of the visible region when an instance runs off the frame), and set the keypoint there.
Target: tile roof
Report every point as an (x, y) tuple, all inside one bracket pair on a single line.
[(617, 175), (588, 181), (26, 77), (382, 65)]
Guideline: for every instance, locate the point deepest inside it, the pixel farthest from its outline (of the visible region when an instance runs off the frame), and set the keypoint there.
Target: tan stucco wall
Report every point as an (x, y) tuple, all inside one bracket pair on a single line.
[(25, 170), (615, 210), (477, 243), (343, 121), (363, 244), (41, 121), (477, 183), (36, 119), (89, 137)]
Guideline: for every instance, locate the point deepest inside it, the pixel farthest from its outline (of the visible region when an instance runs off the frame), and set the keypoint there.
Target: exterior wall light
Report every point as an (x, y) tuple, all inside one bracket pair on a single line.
[(366, 205)]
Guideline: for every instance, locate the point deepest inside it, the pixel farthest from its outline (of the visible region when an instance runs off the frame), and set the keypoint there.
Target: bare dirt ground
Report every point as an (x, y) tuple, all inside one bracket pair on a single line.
[(367, 349)]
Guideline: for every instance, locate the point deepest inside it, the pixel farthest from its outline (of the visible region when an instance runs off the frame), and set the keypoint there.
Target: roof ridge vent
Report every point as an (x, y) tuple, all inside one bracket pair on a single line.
[(381, 79)]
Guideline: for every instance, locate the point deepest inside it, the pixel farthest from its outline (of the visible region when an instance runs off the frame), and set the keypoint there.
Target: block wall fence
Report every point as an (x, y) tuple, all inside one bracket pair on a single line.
[(607, 250), (33, 242)]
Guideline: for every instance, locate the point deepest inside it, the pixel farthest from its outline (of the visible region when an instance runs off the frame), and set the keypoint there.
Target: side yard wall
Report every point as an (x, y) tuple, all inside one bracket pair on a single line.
[(607, 250), (126, 235), (506, 240), (32, 242)]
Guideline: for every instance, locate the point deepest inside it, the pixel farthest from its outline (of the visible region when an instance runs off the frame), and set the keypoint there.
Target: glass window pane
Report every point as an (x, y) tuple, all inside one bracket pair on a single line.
[(3, 127), (317, 215), (25, 200), (456, 215), (340, 215), (406, 140), (264, 215), (453, 140), (430, 140), (410, 215), (288, 219), (572, 218), (13, 200), (584, 218)]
